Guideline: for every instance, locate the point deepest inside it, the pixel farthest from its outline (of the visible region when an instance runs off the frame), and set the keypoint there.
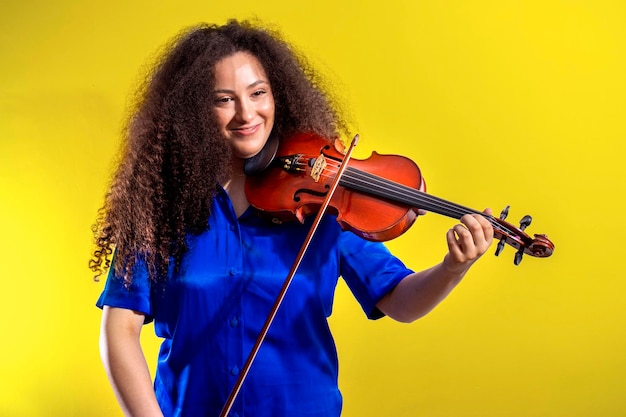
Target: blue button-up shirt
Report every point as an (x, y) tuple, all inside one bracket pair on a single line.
[(211, 312)]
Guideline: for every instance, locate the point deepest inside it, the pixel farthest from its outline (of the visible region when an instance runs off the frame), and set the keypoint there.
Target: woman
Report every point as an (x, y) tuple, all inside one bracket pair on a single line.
[(192, 255)]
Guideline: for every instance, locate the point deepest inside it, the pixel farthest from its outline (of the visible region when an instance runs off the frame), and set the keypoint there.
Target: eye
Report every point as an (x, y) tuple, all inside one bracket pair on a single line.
[(223, 100), (259, 93)]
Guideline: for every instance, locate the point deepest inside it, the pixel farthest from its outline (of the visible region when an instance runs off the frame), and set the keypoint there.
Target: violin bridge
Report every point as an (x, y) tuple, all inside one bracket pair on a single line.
[(318, 168)]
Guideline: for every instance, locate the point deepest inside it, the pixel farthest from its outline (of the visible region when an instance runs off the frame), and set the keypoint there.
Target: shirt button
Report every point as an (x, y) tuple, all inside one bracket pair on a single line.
[(234, 415), (234, 370), (233, 271), (232, 227), (234, 322)]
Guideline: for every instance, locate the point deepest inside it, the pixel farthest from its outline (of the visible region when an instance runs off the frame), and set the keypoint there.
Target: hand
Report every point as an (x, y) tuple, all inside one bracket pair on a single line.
[(467, 241)]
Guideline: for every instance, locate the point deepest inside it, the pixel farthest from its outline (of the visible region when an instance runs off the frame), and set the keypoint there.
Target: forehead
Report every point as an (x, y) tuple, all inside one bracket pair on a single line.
[(241, 67)]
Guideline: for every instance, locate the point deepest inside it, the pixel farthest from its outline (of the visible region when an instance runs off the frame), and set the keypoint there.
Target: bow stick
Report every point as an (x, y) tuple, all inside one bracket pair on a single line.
[(281, 295)]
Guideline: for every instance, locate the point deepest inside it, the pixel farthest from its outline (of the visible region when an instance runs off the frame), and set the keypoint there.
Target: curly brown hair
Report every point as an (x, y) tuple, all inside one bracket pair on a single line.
[(173, 157)]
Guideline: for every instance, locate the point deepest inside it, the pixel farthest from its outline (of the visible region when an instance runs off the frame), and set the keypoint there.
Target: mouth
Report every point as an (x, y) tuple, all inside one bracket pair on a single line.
[(246, 130)]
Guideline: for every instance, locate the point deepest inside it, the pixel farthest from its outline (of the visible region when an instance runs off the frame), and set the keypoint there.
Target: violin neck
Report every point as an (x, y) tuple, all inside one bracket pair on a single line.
[(380, 187), (367, 183)]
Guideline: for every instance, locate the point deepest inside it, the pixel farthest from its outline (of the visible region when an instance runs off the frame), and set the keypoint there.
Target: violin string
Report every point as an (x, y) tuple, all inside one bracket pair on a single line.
[(370, 183), (420, 199), (367, 182), (379, 186)]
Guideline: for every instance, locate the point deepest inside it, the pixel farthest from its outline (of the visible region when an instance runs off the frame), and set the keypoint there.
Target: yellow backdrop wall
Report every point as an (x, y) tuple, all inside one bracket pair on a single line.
[(499, 102)]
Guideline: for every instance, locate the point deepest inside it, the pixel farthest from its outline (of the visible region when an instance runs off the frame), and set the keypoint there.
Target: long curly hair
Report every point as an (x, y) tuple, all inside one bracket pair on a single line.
[(173, 156)]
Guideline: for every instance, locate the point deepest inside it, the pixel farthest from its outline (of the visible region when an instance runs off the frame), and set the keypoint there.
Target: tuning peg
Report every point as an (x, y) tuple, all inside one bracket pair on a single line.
[(500, 245), (518, 256), (525, 222), (504, 212)]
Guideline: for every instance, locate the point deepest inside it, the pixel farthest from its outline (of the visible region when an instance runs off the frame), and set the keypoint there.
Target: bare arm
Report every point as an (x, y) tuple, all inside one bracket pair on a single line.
[(418, 293), (125, 363)]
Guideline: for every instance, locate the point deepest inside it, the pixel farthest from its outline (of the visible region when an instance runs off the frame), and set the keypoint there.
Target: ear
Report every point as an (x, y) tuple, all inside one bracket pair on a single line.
[(258, 163)]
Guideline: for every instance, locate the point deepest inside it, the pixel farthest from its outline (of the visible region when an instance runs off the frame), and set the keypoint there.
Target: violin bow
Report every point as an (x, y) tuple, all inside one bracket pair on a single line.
[(281, 295)]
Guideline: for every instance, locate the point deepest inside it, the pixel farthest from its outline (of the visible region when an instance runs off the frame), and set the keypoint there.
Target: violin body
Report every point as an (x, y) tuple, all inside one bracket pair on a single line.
[(378, 198), (287, 191)]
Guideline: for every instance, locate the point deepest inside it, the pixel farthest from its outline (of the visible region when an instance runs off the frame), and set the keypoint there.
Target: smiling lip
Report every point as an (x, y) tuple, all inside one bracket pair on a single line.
[(246, 130)]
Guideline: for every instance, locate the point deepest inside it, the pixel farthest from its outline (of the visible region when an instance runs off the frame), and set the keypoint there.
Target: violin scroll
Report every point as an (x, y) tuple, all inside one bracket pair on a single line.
[(539, 246)]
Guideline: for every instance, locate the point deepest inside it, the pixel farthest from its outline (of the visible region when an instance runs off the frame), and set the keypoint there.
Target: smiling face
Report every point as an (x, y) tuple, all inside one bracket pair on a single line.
[(243, 103)]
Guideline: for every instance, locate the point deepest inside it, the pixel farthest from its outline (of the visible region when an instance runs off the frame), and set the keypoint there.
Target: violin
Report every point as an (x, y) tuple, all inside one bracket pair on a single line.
[(378, 198)]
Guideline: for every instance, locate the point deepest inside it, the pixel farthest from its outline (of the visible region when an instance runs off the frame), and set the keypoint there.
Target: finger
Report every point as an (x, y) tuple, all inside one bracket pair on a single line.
[(464, 246), (480, 228), (487, 228), (473, 224), (460, 244), (487, 225), (454, 248)]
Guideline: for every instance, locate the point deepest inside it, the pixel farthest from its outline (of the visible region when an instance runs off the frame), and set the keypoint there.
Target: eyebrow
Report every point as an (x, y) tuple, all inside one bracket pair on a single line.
[(254, 84)]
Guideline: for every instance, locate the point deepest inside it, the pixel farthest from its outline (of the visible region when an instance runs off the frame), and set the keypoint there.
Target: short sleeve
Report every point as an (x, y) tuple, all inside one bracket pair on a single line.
[(370, 271), (135, 296)]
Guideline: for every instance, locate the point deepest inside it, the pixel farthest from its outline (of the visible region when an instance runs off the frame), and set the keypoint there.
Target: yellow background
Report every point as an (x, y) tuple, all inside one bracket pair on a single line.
[(499, 102)]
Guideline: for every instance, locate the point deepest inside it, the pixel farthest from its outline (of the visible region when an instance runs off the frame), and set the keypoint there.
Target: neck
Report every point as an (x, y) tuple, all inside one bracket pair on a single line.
[(234, 186)]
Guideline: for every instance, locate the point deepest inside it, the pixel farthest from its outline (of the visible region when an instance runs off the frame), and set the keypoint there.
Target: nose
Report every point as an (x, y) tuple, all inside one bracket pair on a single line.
[(245, 110)]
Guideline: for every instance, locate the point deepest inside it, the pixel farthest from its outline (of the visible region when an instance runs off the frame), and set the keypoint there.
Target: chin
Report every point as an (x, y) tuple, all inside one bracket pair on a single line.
[(249, 151), (246, 153)]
